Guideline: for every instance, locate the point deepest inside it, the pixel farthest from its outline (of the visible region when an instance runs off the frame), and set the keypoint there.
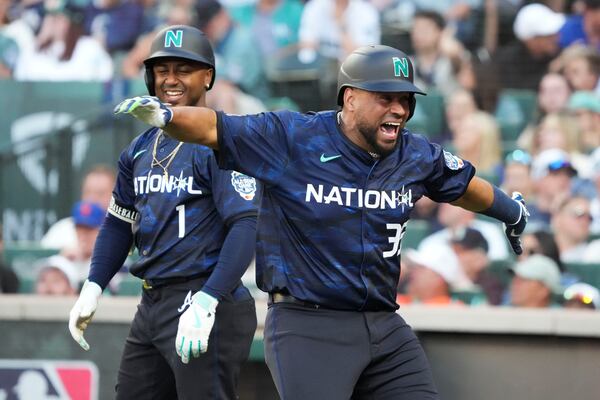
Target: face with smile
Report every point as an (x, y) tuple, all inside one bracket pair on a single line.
[(375, 119), (181, 82)]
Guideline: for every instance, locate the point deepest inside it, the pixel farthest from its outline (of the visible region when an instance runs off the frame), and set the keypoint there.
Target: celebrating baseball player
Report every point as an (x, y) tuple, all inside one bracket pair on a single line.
[(339, 187), (194, 226)]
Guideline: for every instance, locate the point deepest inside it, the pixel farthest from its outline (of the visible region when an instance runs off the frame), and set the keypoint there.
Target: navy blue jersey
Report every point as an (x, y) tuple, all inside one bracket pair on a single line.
[(332, 217), (179, 220)]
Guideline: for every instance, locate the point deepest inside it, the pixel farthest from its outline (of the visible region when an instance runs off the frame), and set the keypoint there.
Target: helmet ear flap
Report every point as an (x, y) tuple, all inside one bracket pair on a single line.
[(149, 79), (412, 103)]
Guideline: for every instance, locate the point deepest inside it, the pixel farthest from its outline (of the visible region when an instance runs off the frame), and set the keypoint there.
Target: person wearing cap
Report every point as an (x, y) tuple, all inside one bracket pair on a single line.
[(431, 276), (63, 52), (339, 187), (581, 295), (471, 250), (57, 276), (535, 282), (521, 64)]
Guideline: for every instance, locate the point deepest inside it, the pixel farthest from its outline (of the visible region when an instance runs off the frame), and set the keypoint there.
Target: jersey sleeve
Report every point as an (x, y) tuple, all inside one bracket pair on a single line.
[(257, 145), (235, 194), (122, 204), (450, 175)]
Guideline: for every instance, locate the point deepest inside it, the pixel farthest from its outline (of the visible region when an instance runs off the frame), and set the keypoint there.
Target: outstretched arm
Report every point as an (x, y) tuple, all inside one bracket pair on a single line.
[(487, 199), (186, 124)]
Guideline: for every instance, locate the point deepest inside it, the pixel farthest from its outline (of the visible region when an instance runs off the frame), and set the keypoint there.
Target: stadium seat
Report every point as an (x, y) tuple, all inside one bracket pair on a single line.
[(416, 231), (515, 109), (429, 117), (23, 258), (587, 272)]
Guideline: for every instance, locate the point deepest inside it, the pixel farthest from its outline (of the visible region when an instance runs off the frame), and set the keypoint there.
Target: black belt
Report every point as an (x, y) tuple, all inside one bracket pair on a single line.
[(277, 297), (160, 282)]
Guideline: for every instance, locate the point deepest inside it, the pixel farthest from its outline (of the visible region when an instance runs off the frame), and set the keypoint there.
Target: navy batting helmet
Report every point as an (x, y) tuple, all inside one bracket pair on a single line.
[(179, 41), (378, 68)]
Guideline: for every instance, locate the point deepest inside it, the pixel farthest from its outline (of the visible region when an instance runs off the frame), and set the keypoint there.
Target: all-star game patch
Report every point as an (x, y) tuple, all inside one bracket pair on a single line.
[(243, 184), (453, 162)]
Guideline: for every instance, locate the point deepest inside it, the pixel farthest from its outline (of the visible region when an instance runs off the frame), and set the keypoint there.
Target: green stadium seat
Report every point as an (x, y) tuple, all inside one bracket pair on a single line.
[(429, 117), (23, 258), (501, 269), (130, 286), (469, 297), (515, 109), (587, 272), (416, 231)]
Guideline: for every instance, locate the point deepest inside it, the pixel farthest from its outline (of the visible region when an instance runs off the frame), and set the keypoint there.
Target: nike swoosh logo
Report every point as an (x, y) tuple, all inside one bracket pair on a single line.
[(325, 158), (138, 153)]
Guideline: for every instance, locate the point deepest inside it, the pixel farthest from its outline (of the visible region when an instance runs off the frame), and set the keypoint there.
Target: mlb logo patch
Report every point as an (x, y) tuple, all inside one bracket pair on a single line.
[(243, 184), (48, 379)]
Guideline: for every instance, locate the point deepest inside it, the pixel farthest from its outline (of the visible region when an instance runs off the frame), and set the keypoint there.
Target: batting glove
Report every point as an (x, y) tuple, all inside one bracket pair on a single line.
[(514, 231), (195, 325), (83, 310), (148, 109)]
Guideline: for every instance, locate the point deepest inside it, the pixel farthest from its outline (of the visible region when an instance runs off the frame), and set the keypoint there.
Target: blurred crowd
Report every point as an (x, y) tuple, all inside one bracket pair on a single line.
[(472, 52)]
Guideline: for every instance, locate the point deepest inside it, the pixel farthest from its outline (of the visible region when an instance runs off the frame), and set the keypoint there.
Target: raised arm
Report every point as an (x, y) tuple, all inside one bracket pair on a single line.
[(186, 124), (487, 199)]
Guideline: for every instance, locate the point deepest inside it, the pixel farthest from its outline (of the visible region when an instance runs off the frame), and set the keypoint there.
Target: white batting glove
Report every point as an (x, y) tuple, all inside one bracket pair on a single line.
[(148, 109), (195, 325), (83, 310)]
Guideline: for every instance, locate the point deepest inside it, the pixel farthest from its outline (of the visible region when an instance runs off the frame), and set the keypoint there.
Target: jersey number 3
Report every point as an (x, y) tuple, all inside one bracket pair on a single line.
[(395, 239)]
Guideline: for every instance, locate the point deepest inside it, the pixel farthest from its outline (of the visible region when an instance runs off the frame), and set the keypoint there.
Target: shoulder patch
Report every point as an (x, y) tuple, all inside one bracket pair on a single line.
[(243, 184), (453, 162)]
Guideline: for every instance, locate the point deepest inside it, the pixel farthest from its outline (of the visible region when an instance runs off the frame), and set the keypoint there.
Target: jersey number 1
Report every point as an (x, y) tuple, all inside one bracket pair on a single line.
[(181, 214)]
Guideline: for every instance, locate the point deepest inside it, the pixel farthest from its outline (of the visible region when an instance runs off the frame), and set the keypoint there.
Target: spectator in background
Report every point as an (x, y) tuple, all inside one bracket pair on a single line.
[(457, 106), (435, 66), (516, 176), (585, 105), (477, 139), (534, 283), (97, 188), (471, 250), (431, 275), (62, 52), (595, 202), (581, 296), (329, 31), (523, 63), (274, 24), (554, 176), (453, 218), (541, 242), (571, 221), (9, 282), (581, 66), (553, 94), (56, 276), (116, 24), (238, 57), (88, 218), (583, 28), (9, 53)]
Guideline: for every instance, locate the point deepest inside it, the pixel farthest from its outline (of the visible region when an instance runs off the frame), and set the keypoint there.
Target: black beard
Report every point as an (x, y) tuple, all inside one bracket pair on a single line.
[(370, 135)]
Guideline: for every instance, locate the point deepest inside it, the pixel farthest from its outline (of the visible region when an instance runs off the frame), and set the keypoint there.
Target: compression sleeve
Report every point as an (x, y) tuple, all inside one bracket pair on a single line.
[(234, 258), (110, 250), (503, 208)]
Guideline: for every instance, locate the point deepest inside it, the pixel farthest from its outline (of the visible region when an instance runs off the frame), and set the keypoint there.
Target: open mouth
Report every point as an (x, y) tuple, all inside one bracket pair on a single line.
[(172, 96), (390, 130)]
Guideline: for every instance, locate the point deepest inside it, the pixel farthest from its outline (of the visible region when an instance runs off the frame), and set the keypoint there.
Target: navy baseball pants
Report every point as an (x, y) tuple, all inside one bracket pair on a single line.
[(322, 354), (150, 367)]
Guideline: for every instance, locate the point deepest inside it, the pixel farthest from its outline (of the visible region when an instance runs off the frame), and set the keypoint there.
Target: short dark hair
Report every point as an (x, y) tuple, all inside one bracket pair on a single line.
[(591, 4), (437, 18)]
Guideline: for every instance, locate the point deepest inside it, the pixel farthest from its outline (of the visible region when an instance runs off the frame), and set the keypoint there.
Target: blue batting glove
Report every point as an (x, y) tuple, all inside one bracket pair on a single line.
[(148, 109), (514, 231), (194, 326)]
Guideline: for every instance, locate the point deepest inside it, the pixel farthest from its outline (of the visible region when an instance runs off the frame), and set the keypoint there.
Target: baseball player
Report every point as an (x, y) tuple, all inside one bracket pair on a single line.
[(194, 226), (339, 187)]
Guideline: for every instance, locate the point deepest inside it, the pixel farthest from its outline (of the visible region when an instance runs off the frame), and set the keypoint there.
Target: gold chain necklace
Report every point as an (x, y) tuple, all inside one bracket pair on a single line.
[(169, 158)]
